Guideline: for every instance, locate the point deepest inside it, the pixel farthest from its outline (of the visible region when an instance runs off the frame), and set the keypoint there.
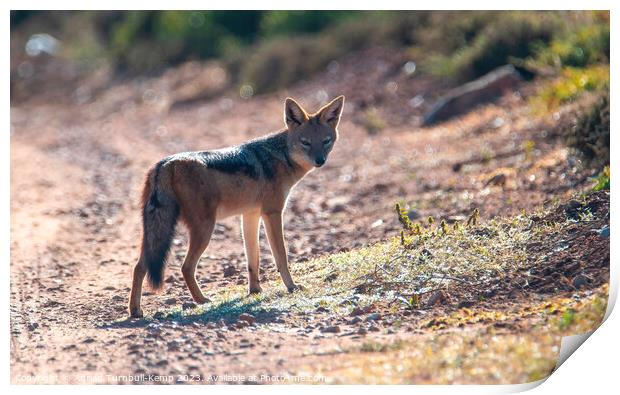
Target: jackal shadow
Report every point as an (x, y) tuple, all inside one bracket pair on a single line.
[(227, 311)]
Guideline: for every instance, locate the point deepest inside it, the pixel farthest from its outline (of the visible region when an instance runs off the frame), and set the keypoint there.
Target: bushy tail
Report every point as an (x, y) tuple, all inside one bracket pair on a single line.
[(160, 212)]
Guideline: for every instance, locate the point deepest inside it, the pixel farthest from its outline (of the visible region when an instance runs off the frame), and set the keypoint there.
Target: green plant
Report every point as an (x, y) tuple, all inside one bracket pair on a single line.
[(570, 84), (567, 319), (602, 180), (474, 218), (589, 134), (381, 347), (411, 303), (528, 148), (403, 218), (372, 121)]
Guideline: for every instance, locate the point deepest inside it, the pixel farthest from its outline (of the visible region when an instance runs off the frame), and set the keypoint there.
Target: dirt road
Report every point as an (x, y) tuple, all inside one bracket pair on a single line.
[(76, 171)]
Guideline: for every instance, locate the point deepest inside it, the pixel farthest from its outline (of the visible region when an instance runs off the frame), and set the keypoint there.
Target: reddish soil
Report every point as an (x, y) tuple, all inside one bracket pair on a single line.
[(77, 170)]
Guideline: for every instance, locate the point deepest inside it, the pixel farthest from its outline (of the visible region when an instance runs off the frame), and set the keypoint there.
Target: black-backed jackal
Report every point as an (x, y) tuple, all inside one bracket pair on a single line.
[(253, 180)]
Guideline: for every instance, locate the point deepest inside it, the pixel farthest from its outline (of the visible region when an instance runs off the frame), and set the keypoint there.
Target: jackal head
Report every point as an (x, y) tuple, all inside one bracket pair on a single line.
[(312, 136)]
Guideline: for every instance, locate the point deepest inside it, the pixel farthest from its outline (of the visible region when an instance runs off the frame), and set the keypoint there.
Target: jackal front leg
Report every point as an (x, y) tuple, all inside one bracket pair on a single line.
[(249, 224), (275, 235)]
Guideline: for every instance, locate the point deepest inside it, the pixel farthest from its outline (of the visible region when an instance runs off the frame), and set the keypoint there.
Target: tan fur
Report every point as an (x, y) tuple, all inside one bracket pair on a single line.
[(204, 194)]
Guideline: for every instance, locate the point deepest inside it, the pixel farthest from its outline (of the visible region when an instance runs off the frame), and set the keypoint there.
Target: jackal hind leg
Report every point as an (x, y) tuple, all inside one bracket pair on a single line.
[(198, 241), (139, 272)]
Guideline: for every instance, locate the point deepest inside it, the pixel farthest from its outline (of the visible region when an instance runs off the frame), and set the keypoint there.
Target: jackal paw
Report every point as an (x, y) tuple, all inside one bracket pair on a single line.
[(136, 313), (256, 289), (296, 287), (201, 299)]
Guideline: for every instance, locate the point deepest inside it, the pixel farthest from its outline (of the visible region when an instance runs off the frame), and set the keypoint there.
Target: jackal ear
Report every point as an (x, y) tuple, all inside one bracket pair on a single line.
[(330, 113), (294, 115)]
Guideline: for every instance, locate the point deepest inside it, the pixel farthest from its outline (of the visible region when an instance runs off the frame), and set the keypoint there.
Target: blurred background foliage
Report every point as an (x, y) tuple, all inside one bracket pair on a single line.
[(272, 49), (256, 52)]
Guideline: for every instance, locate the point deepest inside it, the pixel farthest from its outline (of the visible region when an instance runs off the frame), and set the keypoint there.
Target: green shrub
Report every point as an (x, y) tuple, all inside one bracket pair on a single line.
[(589, 134), (570, 84), (275, 23), (578, 48), (446, 32), (483, 42), (281, 61)]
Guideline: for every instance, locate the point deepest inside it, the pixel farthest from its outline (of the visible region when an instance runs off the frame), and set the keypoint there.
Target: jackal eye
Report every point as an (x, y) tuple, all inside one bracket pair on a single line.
[(327, 141), (305, 143)]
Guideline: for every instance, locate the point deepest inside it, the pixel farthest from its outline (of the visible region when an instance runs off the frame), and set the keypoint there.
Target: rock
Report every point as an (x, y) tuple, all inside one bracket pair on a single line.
[(571, 209), (498, 179), (604, 231), (337, 204), (230, 271), (170, 279), (88, 340), (173, 345), (331, 277), (170, 301), (466, 303), (355, 320), (373, 317), (189, 305), (159, 315), (374, 328), (465, 97), (580, 280), (321, 309), (245, 343), (362, 331), (438, 297), (248, 318), (357, 311), (331, 329), (515, 294)]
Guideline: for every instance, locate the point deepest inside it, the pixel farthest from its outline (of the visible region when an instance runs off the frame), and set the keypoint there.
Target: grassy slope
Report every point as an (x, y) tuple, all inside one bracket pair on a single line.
[(503, 340)]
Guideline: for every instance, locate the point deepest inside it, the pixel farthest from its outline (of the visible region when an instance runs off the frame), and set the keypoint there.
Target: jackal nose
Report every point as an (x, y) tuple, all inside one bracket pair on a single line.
[(319, 161)]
